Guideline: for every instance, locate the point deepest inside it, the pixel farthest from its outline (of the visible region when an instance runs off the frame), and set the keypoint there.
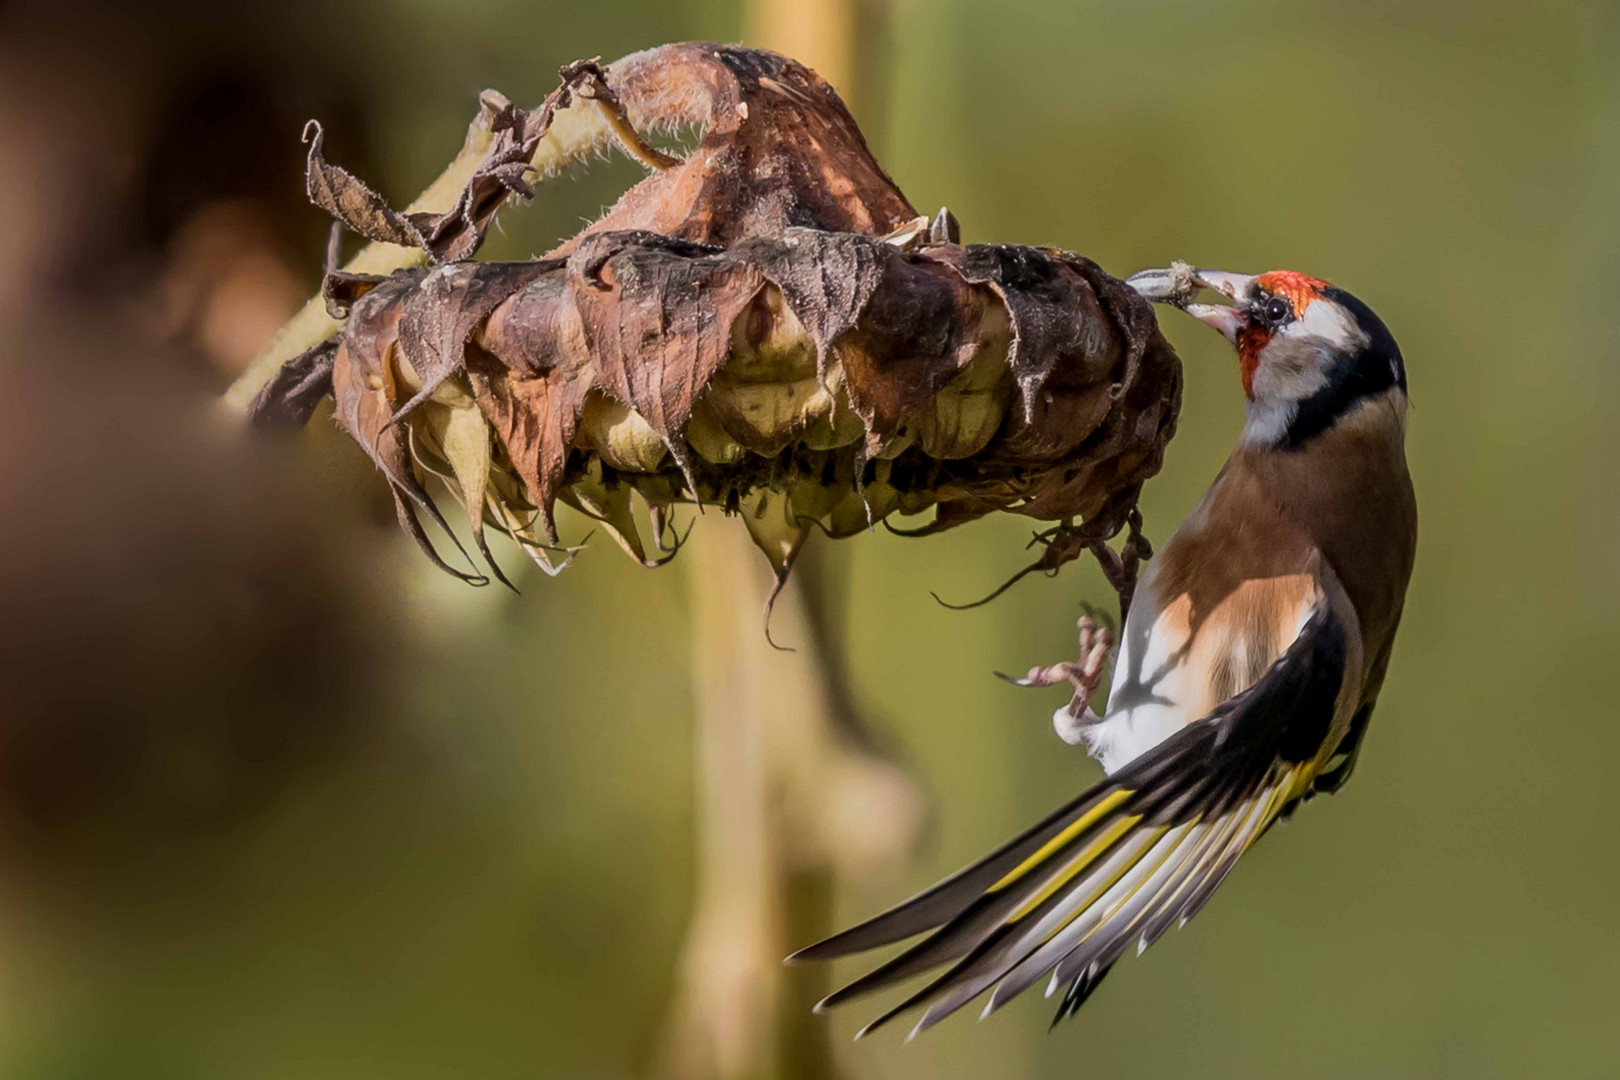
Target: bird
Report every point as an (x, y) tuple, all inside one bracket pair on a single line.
[(1248, 667)]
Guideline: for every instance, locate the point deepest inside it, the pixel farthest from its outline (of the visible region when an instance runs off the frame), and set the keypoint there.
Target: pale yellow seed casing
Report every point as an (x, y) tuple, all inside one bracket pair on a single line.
[(967, 412), (709, 440), (833, 422), (620, 435), (767, 391), (767, 416)]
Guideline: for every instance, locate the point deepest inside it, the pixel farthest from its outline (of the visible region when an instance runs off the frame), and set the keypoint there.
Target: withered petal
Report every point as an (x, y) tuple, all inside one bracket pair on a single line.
[(439, 317), (345, 197), (289, 399)]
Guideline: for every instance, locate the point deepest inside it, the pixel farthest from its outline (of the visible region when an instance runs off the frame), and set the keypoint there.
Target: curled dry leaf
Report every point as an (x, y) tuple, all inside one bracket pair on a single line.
[(765, 326)]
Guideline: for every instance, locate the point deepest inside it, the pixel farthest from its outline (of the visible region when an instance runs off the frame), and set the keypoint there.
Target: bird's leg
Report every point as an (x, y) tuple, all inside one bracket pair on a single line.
[(1084, 673), (1121, 568)]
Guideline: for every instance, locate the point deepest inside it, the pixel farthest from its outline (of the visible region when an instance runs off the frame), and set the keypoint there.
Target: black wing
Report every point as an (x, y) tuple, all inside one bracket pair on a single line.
[(1138, 852)]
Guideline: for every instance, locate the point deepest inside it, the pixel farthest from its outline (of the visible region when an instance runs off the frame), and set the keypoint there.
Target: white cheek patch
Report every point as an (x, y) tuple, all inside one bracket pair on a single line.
[(1330, 324), (1291, 368)]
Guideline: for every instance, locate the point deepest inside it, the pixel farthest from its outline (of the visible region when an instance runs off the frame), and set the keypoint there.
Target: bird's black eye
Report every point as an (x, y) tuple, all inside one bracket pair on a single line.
[(1276, 311)]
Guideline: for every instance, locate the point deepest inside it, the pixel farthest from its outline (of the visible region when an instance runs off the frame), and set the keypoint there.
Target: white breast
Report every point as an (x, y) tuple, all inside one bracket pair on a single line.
[(1154, 690)]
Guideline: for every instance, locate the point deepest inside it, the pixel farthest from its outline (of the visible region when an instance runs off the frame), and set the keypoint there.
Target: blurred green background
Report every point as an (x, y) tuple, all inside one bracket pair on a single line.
[(453, 838)]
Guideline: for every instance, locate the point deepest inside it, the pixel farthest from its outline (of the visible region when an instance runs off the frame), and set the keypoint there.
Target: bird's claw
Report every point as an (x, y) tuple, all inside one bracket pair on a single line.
[(1084, 674), (1099, 620), (1095, 646)]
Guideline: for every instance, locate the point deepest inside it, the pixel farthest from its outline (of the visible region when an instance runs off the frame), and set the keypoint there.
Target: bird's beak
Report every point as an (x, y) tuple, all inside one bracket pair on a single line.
[(1179, 283), (1227, 284), (1224, 318)]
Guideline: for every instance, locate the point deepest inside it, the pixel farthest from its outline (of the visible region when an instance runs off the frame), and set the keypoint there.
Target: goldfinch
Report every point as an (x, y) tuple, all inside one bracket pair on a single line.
[(1250, 663)]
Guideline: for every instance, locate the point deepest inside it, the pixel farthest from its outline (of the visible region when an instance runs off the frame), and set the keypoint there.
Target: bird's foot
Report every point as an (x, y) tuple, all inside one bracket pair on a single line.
[(1084, 674)]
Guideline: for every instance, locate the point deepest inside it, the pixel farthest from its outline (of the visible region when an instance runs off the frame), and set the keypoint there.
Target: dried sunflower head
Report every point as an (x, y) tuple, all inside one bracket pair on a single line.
[(765, 326)]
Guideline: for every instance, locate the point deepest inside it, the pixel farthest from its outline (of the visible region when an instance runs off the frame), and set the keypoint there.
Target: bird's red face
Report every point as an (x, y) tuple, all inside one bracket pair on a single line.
[(1263, 308), (1308, 351), (1298, 291)]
